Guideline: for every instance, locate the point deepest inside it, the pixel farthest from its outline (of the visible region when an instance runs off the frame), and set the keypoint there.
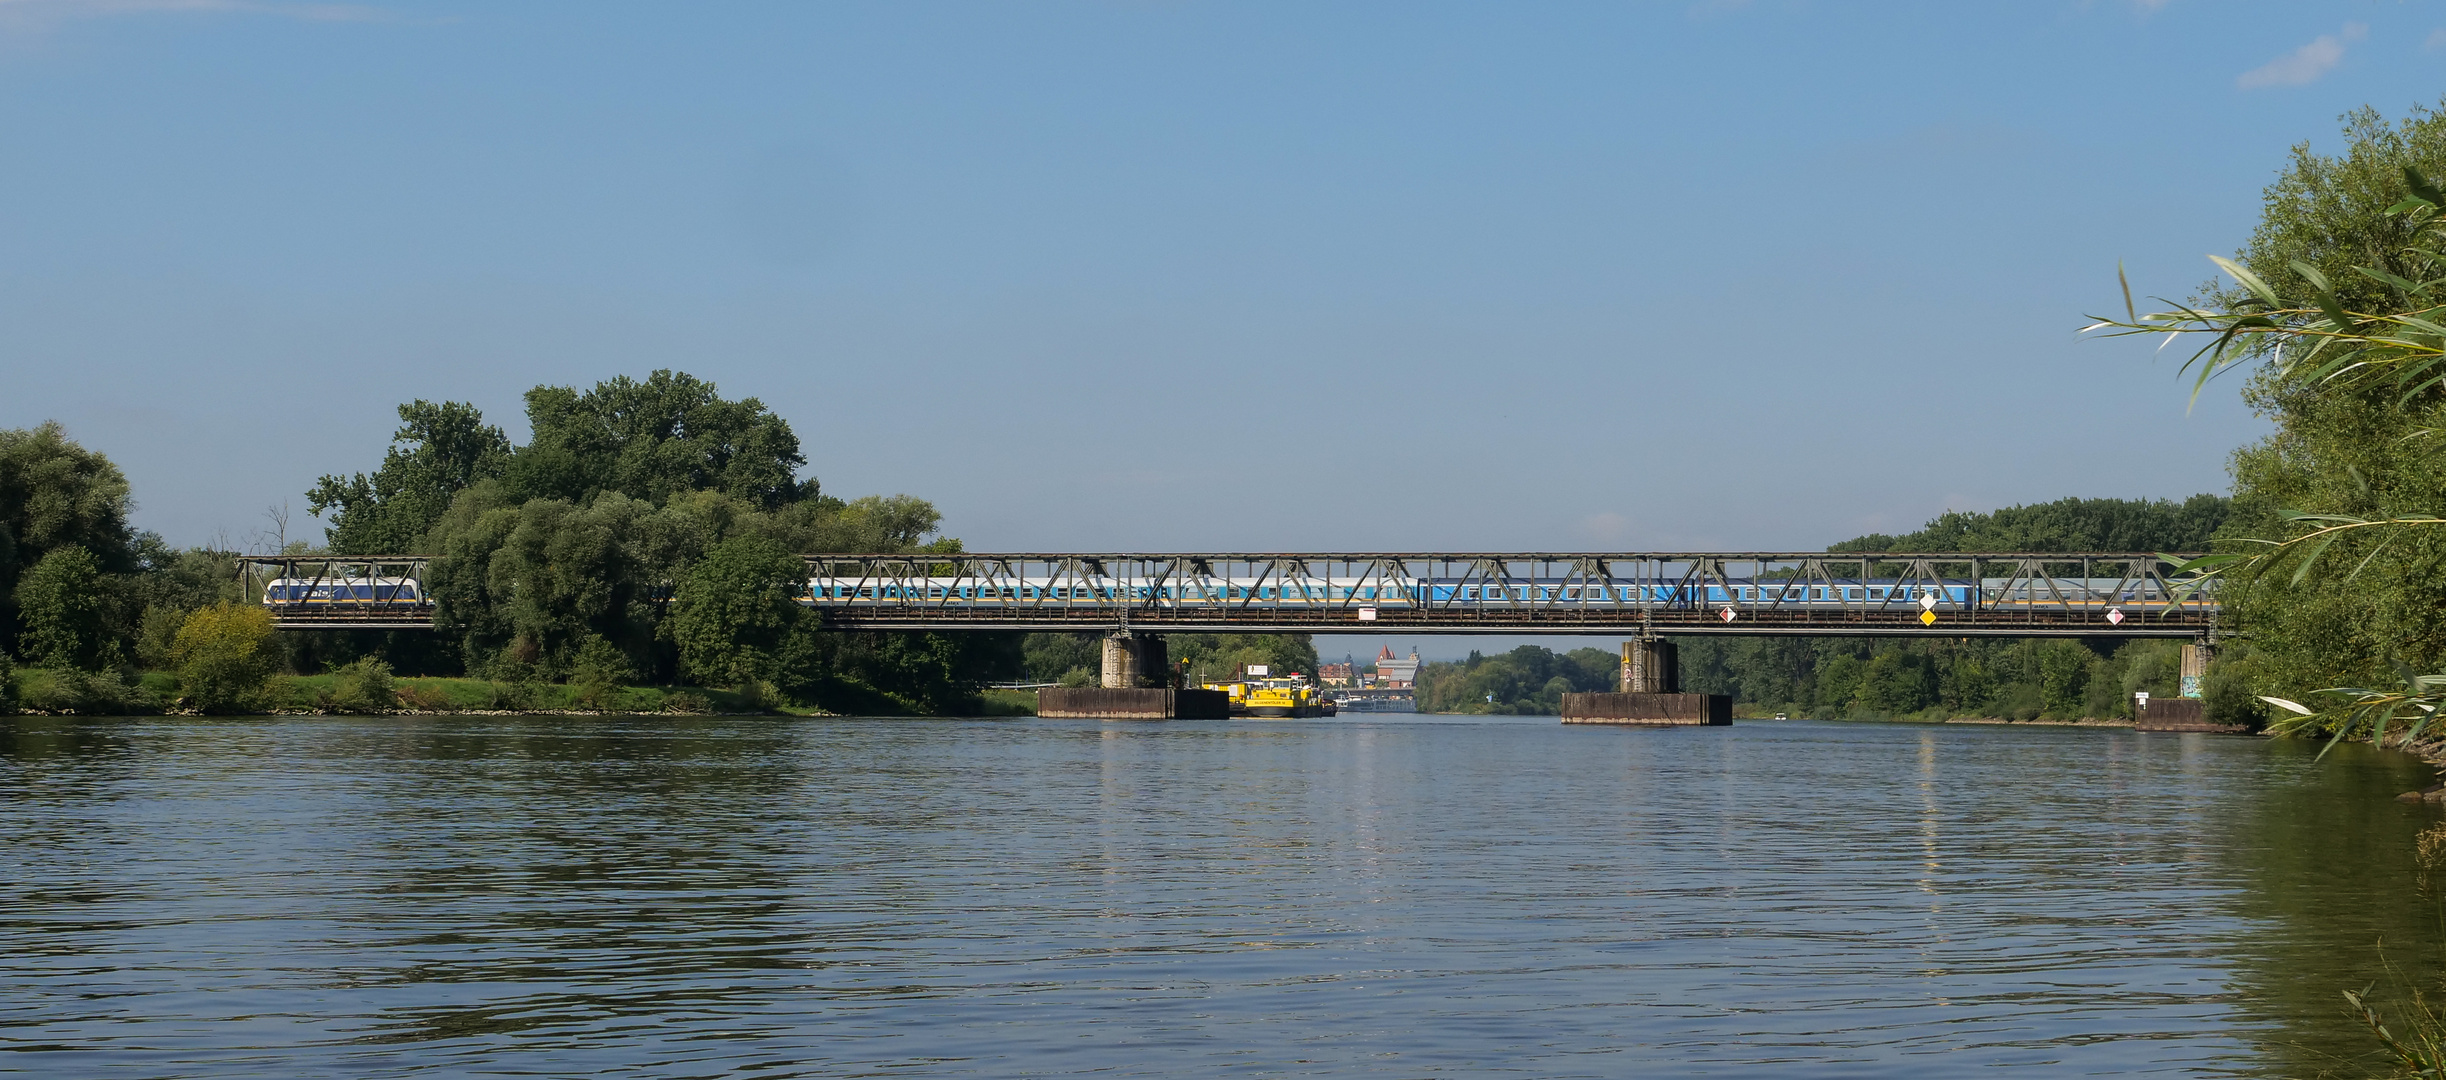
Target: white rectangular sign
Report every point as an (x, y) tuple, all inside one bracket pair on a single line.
[(1367, 614), (1256, 669)]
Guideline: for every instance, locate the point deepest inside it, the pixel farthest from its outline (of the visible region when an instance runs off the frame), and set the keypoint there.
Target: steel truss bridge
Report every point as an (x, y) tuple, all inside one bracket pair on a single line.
[(2017, 595), (1953, 595)]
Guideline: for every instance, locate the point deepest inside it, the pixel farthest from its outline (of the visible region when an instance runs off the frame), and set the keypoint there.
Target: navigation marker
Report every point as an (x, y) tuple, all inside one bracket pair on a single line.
[(1367, 614), (1927, 601), (2115, 615), (1728, 614), (1927, 618)]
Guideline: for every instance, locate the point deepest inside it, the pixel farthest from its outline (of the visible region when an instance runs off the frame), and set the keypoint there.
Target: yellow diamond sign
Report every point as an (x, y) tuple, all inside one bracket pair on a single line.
[(1927, 618)]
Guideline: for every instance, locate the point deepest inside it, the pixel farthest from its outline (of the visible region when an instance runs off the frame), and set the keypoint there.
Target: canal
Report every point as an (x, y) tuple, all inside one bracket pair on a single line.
[(1393, 896)]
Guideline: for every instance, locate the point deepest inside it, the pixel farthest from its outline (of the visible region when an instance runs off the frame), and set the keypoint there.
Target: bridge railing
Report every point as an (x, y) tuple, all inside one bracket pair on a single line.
[(1804, 592)]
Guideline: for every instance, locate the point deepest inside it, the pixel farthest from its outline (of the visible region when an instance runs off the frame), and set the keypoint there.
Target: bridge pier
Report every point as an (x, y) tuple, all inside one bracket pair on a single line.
[(1137, 685), (1134, 661), (2196, 656), (1651, 666), (1651, 693)]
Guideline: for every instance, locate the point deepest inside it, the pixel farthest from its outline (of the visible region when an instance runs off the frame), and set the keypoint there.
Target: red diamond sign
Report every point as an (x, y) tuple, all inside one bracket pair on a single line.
[(2115, 615), (1728, 614)]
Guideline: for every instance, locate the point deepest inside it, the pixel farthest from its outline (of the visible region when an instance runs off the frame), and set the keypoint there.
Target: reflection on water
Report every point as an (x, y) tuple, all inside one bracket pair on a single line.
[(1356, 897)]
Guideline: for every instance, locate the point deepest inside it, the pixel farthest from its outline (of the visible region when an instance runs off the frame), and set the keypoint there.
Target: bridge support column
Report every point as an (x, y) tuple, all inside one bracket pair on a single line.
[(1651, 666), (2195, 667), (1132, 661)]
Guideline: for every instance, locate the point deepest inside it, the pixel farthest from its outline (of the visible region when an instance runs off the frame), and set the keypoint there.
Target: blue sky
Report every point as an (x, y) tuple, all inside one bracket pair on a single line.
[(1175, 276)]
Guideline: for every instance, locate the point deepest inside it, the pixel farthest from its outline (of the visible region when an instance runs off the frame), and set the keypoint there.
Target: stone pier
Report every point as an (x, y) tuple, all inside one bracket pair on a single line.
[(1132, 703), (1651, 666), (1136, 661), (1654, 710), (2195, 668), (2179, 714)]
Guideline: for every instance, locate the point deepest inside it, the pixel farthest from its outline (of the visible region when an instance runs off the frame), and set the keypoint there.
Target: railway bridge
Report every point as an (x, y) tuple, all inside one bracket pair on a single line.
[(1135, 598)]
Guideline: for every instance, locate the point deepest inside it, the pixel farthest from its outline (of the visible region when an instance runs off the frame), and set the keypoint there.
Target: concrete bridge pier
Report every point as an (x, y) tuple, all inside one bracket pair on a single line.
[(2196, 656), (1651, 694), (1134, 661), (1651, 666), (1137, 685)]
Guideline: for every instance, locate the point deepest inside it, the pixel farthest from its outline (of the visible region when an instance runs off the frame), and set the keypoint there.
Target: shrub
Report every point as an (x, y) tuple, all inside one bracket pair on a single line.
[(8, 683), (86, 693), (687, 703), (517, 696), (226, 656), (362, 685), (599, 674)]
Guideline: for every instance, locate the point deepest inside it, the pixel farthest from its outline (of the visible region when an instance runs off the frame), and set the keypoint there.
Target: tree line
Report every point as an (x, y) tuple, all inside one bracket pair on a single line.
[(649, 531)]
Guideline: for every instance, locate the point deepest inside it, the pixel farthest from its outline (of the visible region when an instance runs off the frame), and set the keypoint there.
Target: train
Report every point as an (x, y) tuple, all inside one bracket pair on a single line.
[(344, 591), (1818, 594)]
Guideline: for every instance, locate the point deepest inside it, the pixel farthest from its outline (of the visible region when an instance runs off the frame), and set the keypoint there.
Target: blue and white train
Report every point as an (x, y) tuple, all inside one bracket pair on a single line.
[(1825, 595), (344, 591)]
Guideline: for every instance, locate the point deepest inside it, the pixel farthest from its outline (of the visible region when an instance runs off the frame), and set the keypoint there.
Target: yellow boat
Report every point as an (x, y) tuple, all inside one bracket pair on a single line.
[(1288, 698)]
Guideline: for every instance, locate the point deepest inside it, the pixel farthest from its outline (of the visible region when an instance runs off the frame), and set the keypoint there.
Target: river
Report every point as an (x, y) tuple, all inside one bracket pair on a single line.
[(1408, 896)]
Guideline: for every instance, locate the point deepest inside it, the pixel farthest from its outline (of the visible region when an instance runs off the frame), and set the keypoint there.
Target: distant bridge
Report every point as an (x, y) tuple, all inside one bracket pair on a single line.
[(1614, 594)]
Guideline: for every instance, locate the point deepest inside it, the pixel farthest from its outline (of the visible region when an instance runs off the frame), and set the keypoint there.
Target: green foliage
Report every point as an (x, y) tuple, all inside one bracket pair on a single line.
[(86, 693), (56, 494), (2022, 679), (650, 440), (735, 615), (598, 674), (2350, 445), (1062, 657), (364, 686), (67, 612), (1217, 656), (8, 683), (438, 451), (2065, 525), (226, 657), (1529, 680)]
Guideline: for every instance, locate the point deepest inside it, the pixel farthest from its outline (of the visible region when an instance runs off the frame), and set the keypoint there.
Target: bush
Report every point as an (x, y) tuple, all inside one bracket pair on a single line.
[(8, 684), (86, 693), (686, 703), (363, 685), (2226, 691), (599, 674), (226, 656)]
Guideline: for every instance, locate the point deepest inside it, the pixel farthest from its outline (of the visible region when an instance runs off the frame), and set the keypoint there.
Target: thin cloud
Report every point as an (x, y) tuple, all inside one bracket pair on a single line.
[(2304, 65), (2437, 40)]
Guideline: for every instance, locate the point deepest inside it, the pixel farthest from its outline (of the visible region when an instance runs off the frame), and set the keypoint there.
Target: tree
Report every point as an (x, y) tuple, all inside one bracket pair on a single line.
[(650, 440), (2338, 303), (2068, 525), (66, 613), (226, 657), (736, 612), (438, 451), (55, 494)]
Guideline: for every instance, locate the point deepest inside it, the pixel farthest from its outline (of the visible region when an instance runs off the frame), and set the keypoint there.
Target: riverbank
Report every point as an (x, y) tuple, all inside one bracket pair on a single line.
[(39, 692)]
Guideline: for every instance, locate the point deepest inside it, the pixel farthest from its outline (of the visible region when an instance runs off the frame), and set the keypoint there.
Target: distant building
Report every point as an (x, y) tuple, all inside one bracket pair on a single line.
[(1334, 674), (1396, 674)]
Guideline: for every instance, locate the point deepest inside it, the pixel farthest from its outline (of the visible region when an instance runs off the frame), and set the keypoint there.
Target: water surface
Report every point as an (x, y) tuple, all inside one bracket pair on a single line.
[(1392, 896)]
